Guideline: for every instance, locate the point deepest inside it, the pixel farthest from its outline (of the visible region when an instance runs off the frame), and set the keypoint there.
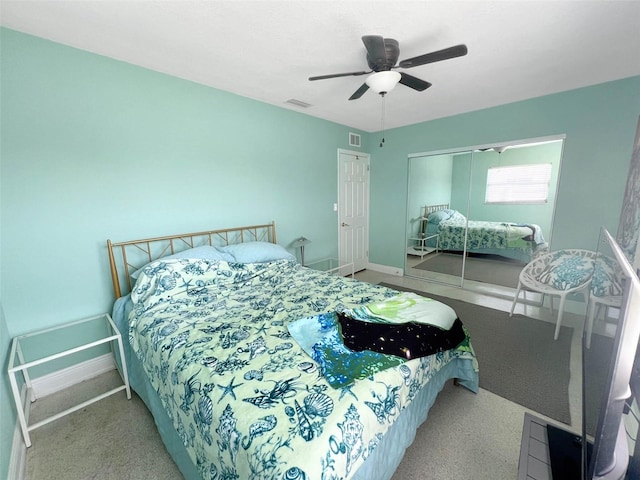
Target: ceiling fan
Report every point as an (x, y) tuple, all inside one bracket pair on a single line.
[(382, 55)]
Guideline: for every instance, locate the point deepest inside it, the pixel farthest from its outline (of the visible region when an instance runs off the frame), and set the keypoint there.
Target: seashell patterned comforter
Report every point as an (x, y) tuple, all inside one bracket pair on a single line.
[(246, 400), (501, 237)]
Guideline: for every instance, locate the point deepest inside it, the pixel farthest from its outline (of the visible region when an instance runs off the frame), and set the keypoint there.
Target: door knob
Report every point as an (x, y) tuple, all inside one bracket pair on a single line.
[(345, 224)]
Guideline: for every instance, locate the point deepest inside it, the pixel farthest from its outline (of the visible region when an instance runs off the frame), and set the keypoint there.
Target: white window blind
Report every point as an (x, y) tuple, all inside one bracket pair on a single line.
[(523, 184)]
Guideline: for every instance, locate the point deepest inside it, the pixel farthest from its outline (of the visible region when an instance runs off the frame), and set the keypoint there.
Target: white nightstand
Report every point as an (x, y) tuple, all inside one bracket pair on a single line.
[(419, 245), (334, 266), (27, 352)]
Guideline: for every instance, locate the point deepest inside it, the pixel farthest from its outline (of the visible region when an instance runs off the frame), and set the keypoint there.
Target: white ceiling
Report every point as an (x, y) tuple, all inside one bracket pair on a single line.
[(266, 50)]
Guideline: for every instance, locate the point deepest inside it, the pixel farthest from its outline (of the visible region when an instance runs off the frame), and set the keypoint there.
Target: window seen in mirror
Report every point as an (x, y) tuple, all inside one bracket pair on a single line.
[(521, 184)]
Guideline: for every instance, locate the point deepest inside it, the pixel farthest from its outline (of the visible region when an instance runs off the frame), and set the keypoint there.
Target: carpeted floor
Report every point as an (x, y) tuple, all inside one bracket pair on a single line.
[(518, 358), (482, 268), (116, 438)]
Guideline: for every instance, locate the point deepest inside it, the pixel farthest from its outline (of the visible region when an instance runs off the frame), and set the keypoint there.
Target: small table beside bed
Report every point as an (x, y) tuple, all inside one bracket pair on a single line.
[(236, 351)]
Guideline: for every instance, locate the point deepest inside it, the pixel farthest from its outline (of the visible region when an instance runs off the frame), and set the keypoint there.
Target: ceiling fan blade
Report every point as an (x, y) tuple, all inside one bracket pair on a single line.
[(336, 75), (445, 54), (413, 82), (375, 49), (358, 93)]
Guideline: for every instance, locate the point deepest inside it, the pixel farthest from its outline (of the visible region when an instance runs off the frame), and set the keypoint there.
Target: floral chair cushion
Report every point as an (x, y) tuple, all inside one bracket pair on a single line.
[(607, 278), (566, 270)]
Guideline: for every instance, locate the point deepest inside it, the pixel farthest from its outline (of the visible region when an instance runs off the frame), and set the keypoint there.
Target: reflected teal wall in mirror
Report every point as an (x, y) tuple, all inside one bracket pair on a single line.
[(430, 183), (599, 123), (541, 215), (461, 182)]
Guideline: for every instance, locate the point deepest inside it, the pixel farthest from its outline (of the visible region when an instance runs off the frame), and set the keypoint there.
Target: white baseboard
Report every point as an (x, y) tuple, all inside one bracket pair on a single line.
[(18, 458), (56, 381), (398, 272)]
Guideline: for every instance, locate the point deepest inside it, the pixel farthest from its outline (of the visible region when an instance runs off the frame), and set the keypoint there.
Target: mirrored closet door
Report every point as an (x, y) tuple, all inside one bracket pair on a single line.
[(477, 216), (438, 187)]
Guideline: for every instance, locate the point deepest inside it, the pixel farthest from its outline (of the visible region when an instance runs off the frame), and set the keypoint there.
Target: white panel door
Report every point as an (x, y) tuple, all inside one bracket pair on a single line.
[(353, 208)]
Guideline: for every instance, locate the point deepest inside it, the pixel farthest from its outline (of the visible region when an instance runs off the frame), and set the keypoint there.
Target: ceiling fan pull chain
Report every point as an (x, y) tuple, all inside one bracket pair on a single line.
[(383, 102)]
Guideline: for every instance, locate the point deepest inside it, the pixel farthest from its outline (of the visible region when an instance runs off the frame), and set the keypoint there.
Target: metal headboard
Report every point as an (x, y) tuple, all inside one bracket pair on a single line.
[(434, 208), (127, 257)]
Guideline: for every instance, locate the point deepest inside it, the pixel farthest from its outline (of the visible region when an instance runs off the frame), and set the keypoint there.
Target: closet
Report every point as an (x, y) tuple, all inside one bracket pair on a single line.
[(494, 207)]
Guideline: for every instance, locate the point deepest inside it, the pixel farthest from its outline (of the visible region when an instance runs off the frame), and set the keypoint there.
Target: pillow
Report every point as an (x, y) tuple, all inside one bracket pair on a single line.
[(205, 252), (456, 216), (438, 216), (257, 252)]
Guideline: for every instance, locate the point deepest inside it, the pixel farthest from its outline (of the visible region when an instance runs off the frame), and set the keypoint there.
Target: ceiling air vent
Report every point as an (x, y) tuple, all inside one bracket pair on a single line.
[(354, 139), (298, 103)]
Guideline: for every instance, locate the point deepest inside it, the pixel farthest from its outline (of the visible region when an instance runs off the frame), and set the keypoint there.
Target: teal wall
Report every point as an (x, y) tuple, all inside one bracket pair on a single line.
[(8, 417), (599, 123), (94, 148)]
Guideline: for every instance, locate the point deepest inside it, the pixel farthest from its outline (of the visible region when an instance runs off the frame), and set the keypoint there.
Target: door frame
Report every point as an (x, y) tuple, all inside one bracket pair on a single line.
[(339, 218)]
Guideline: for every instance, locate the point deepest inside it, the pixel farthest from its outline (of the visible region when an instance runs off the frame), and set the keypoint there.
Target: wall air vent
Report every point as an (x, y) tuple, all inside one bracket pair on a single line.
[(354, 139), (298, 103)]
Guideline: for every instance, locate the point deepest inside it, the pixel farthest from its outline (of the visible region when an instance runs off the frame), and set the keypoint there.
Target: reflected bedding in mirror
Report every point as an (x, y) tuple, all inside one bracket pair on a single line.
[(519, 241)]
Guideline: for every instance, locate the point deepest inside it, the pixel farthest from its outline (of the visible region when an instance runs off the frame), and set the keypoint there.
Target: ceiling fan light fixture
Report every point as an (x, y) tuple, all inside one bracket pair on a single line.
[(383, 82)]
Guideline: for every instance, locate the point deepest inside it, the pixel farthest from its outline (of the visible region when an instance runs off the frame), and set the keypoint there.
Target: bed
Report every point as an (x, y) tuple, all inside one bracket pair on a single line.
[(447, 229), (214, 353)]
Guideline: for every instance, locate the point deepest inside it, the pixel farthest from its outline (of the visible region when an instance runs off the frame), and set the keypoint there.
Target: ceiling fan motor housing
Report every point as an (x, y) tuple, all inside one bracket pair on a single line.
[(392, 50)]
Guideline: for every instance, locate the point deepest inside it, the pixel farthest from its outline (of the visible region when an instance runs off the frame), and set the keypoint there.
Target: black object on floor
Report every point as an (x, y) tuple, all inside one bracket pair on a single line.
[(565, 454)]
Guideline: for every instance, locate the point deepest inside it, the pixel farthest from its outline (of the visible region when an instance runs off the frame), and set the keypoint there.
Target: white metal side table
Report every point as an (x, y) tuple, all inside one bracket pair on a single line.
[(90, 332), (419, 247), (334, 266)]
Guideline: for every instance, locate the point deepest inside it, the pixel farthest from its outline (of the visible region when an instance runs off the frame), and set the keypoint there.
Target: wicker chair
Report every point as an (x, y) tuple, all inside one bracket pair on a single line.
[(558, 273)]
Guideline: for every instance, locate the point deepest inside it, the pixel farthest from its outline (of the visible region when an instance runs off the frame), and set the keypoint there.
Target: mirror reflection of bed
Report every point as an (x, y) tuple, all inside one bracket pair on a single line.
[(458, 234)]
